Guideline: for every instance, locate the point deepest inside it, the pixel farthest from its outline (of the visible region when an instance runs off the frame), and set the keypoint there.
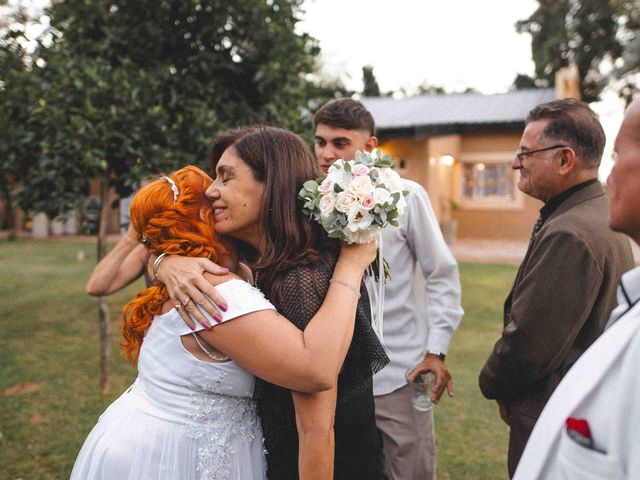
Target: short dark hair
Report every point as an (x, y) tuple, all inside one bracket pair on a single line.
[(573, 122), (345, 113)]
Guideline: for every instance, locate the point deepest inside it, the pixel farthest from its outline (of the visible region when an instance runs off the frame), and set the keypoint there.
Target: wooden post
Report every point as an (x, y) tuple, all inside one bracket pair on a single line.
[(103, 312)]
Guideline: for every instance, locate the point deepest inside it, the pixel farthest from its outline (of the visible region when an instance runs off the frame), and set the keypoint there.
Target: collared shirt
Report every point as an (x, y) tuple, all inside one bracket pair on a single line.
[(422, 299), (628, 295), (553, 204)]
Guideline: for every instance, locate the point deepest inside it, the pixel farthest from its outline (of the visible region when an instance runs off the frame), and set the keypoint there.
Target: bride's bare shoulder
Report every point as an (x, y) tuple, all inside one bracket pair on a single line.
[(218, 279)]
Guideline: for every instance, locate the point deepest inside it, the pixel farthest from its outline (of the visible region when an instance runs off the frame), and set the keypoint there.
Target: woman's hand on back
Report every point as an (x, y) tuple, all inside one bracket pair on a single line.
[(187, 287)]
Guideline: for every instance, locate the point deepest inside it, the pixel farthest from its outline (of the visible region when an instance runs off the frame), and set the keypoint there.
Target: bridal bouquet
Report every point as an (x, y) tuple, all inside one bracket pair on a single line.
[(354, 202), (357, 198)]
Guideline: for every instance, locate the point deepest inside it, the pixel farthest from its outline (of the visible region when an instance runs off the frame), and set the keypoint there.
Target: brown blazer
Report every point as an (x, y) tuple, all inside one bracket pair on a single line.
[(560, 301)]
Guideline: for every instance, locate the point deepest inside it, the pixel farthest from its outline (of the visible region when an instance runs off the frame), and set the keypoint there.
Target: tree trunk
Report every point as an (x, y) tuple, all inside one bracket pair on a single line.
[(105, 344), (103, 312)]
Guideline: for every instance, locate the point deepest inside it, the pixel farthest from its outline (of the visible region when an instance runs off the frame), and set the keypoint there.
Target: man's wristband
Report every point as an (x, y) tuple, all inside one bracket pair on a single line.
[(440, 355)]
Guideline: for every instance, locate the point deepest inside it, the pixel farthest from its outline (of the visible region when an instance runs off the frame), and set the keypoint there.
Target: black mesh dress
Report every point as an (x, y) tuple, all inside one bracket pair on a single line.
[(358, 448)]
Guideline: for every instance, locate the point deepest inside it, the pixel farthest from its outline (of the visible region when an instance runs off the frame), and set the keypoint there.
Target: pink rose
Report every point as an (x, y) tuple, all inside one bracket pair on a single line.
[(360, 170), (325, 187), (367, 202)]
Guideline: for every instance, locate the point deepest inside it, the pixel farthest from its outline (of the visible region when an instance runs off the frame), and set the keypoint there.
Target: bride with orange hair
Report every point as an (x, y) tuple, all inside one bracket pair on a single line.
[(190, 415)]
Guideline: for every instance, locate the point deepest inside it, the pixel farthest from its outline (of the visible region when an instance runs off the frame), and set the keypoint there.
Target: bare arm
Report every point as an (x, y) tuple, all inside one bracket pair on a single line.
[(265, 342), (315, 414), (184, 279), (121, 266)]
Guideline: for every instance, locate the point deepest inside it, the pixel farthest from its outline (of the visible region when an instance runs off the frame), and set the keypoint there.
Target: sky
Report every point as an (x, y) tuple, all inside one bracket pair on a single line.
[(450, 43), (454, 44)]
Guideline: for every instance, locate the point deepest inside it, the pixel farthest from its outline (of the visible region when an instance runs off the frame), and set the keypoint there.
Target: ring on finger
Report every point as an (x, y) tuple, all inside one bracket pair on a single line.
[(178, 307), (186, 302)]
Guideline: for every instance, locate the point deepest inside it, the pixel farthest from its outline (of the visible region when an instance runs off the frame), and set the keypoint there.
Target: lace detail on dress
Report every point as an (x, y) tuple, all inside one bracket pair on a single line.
[(218, 421)]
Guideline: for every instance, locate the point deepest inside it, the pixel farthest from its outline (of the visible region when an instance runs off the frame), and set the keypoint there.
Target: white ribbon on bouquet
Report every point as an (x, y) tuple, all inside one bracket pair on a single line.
[(378, 296)]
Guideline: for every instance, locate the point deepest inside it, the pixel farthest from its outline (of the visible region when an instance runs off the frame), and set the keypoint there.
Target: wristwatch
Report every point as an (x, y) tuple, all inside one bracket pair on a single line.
[(440, 355)]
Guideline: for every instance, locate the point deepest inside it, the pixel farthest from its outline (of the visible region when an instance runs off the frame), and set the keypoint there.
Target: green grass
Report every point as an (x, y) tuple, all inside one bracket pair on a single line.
[(49, 336), (471, 440)]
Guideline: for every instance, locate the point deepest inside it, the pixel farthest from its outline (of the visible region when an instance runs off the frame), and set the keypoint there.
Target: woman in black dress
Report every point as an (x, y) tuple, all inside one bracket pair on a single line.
[(292, 259)]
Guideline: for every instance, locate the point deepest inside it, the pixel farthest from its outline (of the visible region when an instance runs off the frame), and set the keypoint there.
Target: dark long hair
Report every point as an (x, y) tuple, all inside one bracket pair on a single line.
[(281, 160)]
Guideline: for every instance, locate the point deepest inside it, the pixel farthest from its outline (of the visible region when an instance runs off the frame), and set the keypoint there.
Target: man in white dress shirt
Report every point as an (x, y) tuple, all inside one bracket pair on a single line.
[(590, 428), (422, 301)]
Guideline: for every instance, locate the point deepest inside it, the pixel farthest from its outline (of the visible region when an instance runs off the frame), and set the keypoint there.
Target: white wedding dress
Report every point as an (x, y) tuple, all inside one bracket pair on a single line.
[(183, 418)]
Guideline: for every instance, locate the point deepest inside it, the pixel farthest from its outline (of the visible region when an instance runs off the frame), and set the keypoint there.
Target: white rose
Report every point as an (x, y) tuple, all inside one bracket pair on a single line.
[(381, 196), (391, 180), (327, 203), (360, 186), (336, 166), (361, 221), (344, 201), (340, 177)]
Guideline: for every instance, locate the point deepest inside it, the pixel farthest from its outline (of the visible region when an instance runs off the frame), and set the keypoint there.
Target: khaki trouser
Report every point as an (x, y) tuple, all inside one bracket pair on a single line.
[(408, 437)]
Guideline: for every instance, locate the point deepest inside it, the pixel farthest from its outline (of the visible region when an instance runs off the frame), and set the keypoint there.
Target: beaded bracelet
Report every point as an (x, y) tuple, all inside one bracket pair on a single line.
[(156, 264), (350, 287)]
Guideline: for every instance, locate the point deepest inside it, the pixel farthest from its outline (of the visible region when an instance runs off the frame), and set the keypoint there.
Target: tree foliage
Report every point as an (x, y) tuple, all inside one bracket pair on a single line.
[(117, 90), (126, 88), (370, 84), (522, 82), (426, 88), (600, 38)]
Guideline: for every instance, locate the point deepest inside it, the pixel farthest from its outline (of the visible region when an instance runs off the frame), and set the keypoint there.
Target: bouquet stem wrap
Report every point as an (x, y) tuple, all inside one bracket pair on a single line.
[(379, 318)]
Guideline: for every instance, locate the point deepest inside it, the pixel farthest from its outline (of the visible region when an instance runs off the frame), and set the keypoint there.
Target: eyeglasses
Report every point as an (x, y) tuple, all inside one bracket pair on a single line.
[(520, 156)]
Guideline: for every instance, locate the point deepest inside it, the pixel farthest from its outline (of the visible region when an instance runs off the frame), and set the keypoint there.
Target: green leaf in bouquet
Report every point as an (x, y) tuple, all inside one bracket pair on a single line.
[(310, 185), (306, 194), (393, 214), (383, 215), (347, 167), (395, 223), (337, 188), (405, 192), (396, 197), (374, 175), (336, 234), (329, 221), (363, 157)]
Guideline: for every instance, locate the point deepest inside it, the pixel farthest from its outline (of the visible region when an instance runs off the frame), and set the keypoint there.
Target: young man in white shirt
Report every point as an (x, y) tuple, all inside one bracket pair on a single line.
[(422, 301)]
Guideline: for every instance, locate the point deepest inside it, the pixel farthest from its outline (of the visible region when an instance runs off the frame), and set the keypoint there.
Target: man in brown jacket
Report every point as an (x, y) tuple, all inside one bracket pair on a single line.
[(565, 288)]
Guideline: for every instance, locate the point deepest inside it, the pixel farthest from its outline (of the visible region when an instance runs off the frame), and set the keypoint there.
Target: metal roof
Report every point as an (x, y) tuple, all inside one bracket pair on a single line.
[(455, 110)]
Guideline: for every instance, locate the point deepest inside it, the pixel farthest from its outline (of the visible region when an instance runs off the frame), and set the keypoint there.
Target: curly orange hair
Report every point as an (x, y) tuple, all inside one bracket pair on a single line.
[(181, 227)]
